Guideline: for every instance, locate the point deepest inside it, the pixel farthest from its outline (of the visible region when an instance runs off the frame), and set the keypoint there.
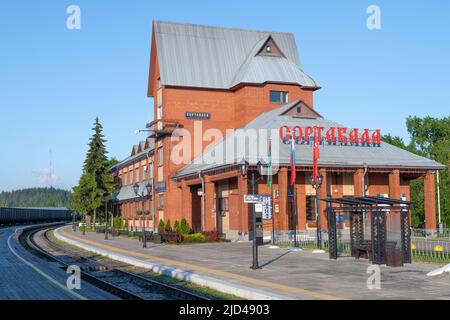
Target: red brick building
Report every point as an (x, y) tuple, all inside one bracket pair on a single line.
[(205, 81)]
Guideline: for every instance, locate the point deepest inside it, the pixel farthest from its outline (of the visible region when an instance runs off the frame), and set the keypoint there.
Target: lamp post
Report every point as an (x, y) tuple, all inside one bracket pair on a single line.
[(85, 199), (148, 188), (316, 185), (74, 228), (243, 166), (106, 219)]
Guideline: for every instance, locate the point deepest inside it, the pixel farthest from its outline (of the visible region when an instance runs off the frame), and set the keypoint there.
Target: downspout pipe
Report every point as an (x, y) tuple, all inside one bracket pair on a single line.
[(364, 180), (202, 178), (364, 192)]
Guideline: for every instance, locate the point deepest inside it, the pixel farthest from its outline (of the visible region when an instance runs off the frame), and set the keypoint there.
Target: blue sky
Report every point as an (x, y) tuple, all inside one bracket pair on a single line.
[(55, 81)]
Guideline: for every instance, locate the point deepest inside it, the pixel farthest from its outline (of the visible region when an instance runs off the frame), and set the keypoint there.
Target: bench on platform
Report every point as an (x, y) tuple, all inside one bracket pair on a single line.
[(100, 230), (171, 237), (393, 255), (148, 236)]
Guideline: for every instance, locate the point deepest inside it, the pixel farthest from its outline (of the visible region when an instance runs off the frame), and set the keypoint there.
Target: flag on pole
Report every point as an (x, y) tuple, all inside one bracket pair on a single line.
[(269, 169), (316, 155), (293, 173)]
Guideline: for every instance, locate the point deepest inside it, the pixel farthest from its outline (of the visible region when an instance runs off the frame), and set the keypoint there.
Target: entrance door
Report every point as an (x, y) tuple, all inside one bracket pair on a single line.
[(311, 221), (223, 216), (196, 208)]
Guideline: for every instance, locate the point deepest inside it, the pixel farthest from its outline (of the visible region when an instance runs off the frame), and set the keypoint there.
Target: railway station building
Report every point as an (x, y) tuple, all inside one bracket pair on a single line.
[(210, 86)]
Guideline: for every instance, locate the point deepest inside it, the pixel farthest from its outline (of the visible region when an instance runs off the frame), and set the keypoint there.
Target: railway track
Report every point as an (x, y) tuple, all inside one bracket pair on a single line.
[(121, 283)]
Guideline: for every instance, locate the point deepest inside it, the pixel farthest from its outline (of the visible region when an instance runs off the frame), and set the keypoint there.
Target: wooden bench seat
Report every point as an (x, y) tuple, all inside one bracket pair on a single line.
[(365, 248)]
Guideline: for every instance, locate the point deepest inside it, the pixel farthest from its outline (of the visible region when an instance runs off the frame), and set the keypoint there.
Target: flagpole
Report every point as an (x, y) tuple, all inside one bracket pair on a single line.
[(270, 183), (295, 215)]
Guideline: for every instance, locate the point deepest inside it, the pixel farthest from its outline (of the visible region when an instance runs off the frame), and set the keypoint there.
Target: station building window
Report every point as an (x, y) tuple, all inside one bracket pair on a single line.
[(160, 157), (161, 201), (279, 97), (130, 177)]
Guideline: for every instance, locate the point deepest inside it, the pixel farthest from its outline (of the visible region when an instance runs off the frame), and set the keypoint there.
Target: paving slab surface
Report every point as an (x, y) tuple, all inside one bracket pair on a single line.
[(299, 275)]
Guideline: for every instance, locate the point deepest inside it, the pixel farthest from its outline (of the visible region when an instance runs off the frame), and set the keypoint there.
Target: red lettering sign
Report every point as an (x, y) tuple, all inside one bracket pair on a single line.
[(342, 135), (331, 134), (285, 133), (298, 133)]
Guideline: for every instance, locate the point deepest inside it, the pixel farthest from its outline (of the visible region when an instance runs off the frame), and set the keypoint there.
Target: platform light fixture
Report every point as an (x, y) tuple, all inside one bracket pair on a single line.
[(243, 166), (261, 165), (136, 188), (318, 183), (149, 187)]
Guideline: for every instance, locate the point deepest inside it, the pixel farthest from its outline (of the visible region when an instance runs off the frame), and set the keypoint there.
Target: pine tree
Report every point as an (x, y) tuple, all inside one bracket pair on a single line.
[(85, 195), (97, 165)]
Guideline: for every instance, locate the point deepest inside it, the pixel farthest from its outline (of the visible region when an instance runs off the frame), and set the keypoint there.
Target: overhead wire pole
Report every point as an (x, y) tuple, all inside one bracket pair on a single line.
[(50, 176)]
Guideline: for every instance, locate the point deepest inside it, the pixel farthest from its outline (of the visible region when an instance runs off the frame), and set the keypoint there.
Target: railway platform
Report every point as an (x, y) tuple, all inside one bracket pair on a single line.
[(24, 276), (284, 274)]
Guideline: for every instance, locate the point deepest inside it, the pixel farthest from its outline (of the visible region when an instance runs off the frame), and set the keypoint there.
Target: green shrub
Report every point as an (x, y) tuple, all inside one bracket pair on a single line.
[(184, 227), (168, 226), (161, 225), (176, 226), (195, 238), (117, 223)]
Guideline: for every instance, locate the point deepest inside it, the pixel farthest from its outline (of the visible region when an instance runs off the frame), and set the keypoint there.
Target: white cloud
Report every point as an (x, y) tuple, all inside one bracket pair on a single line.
[(44, 177)]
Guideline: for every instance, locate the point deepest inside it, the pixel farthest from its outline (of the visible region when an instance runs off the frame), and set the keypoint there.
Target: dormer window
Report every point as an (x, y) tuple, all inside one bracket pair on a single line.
[(279, 97), (270, 48), (301, 110)]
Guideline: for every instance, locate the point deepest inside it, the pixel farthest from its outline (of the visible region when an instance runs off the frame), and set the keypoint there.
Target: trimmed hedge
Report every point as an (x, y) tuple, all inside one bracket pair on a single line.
[(195, 238)]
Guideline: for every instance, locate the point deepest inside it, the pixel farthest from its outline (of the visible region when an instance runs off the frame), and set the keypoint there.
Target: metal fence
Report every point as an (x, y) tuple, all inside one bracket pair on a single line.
[(308, 239), (431, 246), (443, 233), (424, 247)]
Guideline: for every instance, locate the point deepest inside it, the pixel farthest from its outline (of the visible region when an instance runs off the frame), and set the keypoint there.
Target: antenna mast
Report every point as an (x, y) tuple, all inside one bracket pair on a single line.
[(50, 170)]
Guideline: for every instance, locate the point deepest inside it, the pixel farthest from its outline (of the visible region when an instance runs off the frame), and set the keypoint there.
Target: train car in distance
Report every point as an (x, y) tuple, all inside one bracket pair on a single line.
[(9, 216)]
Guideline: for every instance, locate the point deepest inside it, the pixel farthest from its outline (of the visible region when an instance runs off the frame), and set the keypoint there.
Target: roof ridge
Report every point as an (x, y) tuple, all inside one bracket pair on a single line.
[(219, 27)]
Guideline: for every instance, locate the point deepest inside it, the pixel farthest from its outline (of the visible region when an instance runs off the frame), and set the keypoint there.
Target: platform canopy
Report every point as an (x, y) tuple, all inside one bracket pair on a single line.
[(379, 228), (365, 201)]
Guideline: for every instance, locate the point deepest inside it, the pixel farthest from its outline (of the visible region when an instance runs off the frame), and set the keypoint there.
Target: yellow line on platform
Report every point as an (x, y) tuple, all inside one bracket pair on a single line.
[(42, 273), (215, 272)]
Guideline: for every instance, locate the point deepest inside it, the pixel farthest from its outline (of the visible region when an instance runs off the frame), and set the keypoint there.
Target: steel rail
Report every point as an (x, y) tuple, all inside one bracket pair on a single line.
[(126, 273), (115, 290), (101, 267)]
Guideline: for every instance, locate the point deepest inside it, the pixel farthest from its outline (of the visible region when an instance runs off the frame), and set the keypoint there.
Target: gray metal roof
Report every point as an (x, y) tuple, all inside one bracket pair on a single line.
[(127, 192), (134, 156), (385, 155), (214, 57)]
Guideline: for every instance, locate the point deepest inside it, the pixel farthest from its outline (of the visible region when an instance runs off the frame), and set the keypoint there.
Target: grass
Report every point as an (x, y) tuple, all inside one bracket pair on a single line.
[(429, 258), (188, 286)]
